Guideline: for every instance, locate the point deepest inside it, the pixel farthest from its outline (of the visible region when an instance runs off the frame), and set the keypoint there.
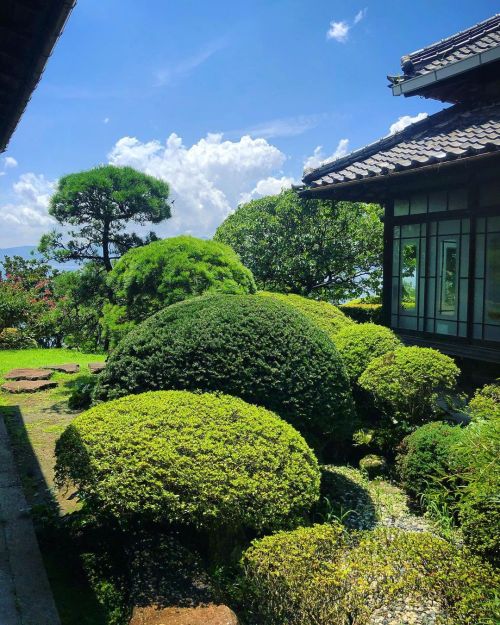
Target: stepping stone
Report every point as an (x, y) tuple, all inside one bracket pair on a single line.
[(200, 615), (27, 386), (28, 374), (67, 368), (96, 367)]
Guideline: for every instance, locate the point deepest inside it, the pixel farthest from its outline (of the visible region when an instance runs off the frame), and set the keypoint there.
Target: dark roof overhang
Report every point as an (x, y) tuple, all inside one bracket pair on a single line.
[(29, 29)]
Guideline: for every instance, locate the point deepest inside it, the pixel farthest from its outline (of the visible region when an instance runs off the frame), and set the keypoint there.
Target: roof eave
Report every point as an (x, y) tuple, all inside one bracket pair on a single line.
[(416, 84)]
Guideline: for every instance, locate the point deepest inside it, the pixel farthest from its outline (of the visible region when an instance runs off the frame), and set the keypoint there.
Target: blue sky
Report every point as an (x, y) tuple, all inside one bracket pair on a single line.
[(226, 100)]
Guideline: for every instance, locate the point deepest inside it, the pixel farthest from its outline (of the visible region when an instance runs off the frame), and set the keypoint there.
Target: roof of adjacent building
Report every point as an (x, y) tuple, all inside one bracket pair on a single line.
[(474, 40), (455, 134), (29, 30)]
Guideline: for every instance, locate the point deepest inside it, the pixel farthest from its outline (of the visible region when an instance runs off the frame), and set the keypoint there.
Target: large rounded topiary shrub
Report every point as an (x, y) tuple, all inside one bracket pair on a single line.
[(209, 461), (407, 383), (361, 343), (321, 575), (252, 347), (149, 278), (325, 315)]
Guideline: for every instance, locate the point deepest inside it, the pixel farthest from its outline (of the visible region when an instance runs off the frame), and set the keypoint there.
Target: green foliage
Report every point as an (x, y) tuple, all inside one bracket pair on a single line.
[(81, 393), (321, 575), (149, 278), (425, 460), (293, 245), (486, 403), (359, 344), (208, 461), (362, 312), (252, 347), (407, 383), (326, 316), (373, 465), (95, 207), (476, 461), (12, 338)]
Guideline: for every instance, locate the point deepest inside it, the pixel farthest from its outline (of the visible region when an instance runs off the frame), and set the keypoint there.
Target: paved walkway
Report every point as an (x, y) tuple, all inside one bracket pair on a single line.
[(25, 594)]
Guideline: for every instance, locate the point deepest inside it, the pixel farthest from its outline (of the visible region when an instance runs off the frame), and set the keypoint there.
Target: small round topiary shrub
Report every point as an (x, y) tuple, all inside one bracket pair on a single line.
[(326, 316), (425, 459), (486, 403), (321, 575), (373, 465), (407, 383), (251, 347), (361, 343), (151, 277), (208, 461)]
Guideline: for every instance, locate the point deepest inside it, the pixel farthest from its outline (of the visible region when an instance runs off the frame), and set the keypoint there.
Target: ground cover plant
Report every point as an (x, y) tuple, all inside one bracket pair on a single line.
[(151, 277), (252, 347), (208, 461)]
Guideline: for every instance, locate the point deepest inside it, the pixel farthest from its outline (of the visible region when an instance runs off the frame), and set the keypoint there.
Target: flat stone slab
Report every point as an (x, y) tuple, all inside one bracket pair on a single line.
[(27, 386), (70, 367), (28, 374), (200, 615), (96, 367)]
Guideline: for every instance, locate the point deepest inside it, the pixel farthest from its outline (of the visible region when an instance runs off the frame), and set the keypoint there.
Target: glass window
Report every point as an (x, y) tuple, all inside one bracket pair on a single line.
[(401, 207), (448, 278), (457, 199), (418, 204), (409, 273), (492, 295), (437, 201)]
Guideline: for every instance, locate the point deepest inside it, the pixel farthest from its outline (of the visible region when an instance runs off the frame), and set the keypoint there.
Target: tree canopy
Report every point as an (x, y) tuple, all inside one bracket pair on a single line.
[(310, 247), (96, 206)]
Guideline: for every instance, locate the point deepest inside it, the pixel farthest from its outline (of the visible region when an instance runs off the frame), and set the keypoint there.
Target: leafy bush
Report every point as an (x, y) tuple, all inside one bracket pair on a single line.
[(373, 465), (326, 316), (12, 338), (476, 461), (486, 403), (209, 461), (363, 311), (361, 343), (407, 383), (322, 575), (426, 458), (252, 347), (81, 393), (149, 278)]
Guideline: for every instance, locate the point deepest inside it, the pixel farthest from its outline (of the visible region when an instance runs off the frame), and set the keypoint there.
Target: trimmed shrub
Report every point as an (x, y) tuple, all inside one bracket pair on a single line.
[(486, 403), (255, 348), (81, 393), (325, 315), (476, 461), (425, 459), (209, 461), (407, 383), (359, 344), (322, 575), (363, 312), (373, 465), (151, 277)]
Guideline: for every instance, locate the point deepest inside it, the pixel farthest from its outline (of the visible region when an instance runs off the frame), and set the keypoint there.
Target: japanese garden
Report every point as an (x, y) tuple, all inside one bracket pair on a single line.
[(295, 421)]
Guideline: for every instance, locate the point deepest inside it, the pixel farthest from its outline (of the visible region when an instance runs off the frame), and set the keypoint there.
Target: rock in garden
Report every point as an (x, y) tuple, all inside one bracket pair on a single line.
[(96, 367), (200, 615), (28, 374), (70, 367), (28, 386)]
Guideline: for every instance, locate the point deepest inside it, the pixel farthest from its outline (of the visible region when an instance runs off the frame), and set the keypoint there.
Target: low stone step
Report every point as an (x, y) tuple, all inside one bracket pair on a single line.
[(70, 367), (96, 367), (28, 374), (28, 386), (210, 614)]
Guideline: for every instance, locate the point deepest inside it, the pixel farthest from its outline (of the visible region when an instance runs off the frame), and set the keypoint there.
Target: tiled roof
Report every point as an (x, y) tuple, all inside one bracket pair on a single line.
[(474, 40), (453, 134)]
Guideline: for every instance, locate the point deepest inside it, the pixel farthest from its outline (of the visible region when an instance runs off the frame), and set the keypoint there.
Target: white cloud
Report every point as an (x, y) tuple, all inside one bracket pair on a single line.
[(405, 121), (166, 75), (9, 162), (360, 15), (25, 217), (318, 157), (268, 186), (338, 31), (105, 120), (207, 179), (284, 127)]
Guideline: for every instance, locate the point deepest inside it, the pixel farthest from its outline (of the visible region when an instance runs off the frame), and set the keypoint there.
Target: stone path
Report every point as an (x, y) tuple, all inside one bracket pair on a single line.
[(27, 386), (96, 367), (28, 374), (25, 594), (69, 367)]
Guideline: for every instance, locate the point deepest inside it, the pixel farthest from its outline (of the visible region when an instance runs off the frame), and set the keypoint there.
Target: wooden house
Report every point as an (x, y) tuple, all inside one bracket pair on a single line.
[(439, 182)]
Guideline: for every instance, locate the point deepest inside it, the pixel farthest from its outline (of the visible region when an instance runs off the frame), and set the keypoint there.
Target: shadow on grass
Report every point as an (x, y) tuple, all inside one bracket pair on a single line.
[(75, 600)]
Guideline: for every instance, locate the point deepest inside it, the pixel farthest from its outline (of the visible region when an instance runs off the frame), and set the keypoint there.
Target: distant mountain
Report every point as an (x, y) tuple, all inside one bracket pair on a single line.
[(25, 251)]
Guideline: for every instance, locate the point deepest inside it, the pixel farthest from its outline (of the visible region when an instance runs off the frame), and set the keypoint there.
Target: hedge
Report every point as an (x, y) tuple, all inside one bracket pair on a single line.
[(363, 313), (359, 344), (322, 575), (325, 315), (204, 460), (252, 347)]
